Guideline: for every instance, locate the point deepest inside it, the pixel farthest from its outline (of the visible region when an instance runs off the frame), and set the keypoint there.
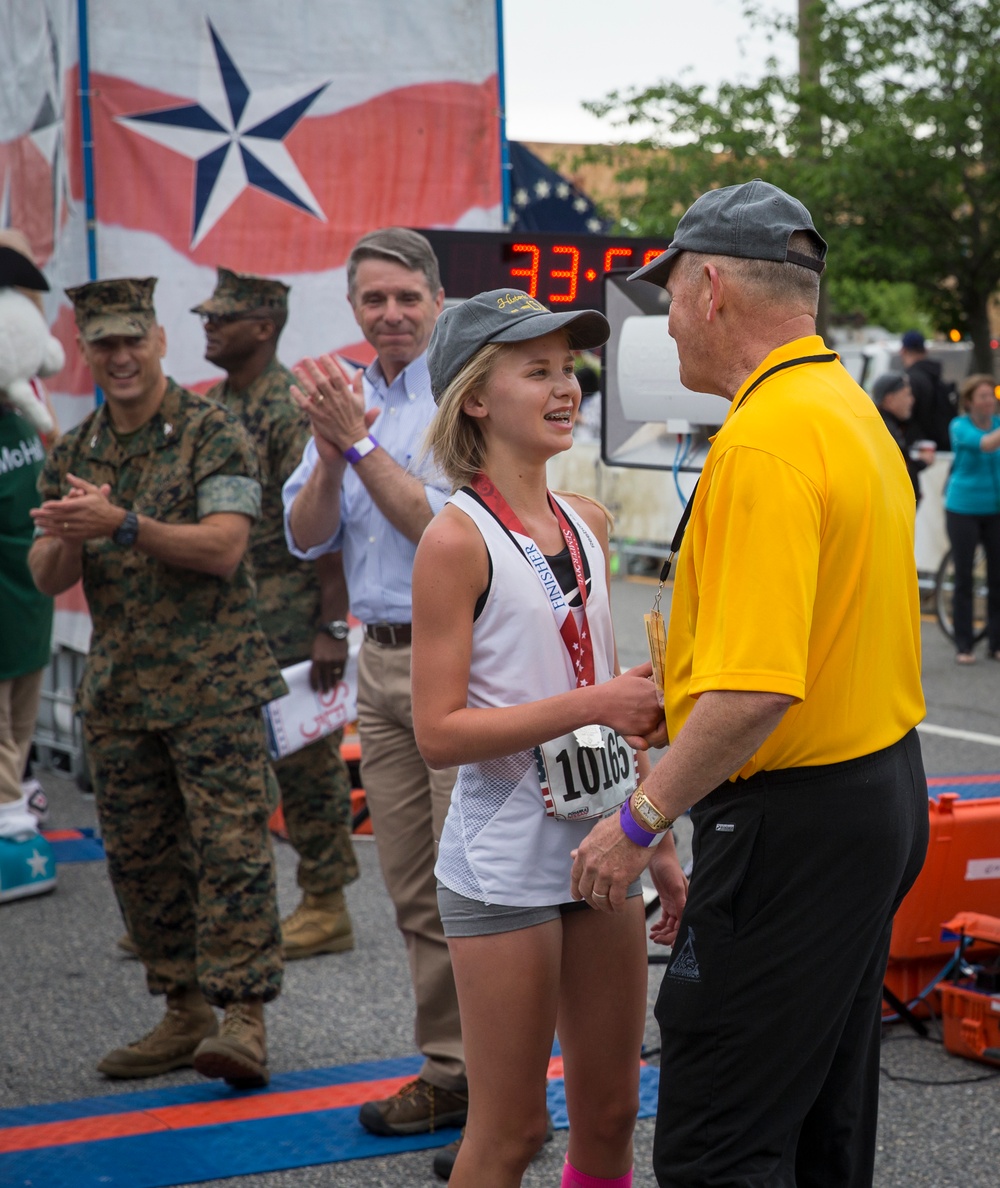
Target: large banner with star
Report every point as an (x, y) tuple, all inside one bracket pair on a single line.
[(262, 136)]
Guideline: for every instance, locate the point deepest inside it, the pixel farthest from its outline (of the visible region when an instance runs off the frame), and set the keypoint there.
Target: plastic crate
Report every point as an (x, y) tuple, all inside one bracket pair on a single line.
[(961, 873), (971, 1022)]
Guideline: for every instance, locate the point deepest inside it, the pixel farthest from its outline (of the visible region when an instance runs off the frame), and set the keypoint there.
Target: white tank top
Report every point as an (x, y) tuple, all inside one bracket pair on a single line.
[(498, 846)]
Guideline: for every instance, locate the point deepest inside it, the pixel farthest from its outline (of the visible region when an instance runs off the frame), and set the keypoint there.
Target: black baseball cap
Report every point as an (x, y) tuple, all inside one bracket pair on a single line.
[(17, 271)]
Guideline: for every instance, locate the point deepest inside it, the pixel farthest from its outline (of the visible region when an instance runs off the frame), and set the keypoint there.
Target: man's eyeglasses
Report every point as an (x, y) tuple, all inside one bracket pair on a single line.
[(227, 319)]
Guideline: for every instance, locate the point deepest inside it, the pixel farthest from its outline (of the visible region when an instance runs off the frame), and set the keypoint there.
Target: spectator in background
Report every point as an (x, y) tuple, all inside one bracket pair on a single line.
[(894, 397), (301, 605), (933, 399), (972, 511), (150, 500)]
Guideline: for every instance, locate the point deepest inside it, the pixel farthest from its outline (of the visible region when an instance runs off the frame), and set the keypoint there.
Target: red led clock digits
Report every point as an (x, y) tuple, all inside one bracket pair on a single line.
[(532, 272), (611, 254), (523, 265), (571, 274)]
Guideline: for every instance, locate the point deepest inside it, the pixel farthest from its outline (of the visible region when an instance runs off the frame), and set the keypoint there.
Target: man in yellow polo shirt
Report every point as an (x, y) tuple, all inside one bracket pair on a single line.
[(792, 690)]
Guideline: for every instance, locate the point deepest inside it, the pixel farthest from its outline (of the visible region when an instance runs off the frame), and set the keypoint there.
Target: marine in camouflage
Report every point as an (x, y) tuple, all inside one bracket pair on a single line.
[(170, 696), (315, 784)]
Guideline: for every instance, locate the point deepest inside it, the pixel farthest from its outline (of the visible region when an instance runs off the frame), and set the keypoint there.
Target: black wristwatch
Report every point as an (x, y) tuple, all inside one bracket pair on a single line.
[(337, 628), (127, 531)]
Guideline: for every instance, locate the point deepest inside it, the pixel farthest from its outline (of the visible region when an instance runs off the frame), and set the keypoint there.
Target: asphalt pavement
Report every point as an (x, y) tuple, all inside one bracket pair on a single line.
[(67, 994)]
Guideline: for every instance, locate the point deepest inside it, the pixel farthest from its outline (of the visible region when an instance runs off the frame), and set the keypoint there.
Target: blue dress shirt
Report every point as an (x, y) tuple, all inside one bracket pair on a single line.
[(378, 558)]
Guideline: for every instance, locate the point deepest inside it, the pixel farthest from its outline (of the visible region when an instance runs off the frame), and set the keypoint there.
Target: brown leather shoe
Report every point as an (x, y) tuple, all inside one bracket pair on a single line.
[(171, 1044), (418, 1108), (320, 924), (238, 1054)]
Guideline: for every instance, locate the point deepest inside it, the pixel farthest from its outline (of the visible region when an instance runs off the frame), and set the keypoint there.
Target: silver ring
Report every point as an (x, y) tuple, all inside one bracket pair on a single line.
[(597, 895)]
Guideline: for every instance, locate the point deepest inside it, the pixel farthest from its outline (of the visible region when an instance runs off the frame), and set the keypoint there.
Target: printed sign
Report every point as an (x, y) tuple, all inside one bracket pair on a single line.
[(304, 715)]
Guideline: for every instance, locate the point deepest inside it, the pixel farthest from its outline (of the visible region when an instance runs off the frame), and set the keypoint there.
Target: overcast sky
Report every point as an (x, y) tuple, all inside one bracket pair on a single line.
[(561, 52)]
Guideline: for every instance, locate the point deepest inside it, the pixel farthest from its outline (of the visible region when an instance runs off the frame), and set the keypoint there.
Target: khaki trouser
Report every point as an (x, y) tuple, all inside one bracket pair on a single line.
[(19, 700)]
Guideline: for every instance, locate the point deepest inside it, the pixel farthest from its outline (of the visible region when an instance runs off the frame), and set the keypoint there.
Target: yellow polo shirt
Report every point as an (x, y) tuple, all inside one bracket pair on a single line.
[(797, 571)]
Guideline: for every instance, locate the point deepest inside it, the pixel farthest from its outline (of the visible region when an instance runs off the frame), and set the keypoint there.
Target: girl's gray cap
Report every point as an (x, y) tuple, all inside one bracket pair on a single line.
[(753, 221), (503, 315)]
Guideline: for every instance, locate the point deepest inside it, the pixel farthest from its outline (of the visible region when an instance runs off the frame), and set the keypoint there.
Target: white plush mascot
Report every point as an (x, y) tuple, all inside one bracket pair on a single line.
[(27, 349)]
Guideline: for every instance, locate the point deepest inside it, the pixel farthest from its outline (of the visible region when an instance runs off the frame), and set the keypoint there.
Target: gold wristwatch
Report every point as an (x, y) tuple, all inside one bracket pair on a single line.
[(645, 811)]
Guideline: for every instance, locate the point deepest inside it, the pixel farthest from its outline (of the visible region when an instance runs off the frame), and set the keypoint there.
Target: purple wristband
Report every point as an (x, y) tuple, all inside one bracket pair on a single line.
[(633, 830), (360, 449)]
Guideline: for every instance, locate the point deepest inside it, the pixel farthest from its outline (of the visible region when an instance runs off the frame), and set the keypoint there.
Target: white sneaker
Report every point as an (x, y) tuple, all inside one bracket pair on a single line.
[(38, 802)]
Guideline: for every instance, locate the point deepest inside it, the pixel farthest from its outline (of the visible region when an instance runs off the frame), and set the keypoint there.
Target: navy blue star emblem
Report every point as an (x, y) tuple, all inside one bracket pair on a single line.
[(236, 135)]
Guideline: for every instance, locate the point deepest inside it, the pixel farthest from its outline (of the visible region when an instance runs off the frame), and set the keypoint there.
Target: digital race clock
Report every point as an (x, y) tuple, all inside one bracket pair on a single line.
[(563, 271)]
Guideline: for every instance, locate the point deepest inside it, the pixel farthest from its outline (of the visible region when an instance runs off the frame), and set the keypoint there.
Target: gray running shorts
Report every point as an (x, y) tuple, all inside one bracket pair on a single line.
[(470, 917)]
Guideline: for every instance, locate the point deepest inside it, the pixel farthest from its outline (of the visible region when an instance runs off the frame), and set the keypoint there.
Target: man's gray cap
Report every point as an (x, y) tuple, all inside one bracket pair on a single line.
[(503, 315), (753, 221)]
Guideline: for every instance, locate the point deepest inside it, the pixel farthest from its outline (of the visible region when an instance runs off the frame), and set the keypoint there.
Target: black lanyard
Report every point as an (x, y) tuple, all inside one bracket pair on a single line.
[(678, 537)]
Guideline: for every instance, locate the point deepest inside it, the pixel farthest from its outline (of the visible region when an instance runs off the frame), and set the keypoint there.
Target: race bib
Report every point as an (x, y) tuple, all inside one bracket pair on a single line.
[(587, 773)]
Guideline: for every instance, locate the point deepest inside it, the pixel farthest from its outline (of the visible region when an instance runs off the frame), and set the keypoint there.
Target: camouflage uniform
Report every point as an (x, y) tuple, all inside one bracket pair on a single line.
[(177, 670), (314, 781)]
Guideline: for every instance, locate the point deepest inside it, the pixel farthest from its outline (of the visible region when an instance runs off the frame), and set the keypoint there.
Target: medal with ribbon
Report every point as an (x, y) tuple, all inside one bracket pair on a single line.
[(589, 772)]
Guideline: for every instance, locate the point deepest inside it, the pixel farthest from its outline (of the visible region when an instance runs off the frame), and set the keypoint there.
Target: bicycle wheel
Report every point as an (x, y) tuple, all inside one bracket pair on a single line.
[(944, 592)]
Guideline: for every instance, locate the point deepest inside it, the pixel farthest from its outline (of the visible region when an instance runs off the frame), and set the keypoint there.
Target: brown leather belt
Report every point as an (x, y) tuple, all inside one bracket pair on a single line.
[(388, 635)]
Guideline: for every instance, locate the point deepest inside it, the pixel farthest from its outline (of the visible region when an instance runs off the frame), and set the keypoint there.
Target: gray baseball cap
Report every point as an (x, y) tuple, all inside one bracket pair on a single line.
[(503, 315), (753, 221)]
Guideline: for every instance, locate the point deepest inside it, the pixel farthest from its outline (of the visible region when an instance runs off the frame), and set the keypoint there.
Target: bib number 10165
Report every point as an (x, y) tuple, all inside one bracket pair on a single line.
[(585, 781)]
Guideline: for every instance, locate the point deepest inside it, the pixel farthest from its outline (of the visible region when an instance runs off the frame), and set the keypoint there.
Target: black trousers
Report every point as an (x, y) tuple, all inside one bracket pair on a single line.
[(770, 1009), (965, 532)]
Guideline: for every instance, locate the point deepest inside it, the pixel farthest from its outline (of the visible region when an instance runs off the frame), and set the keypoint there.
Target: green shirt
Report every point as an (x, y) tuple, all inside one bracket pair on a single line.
[(25, 614), (288, 591), (168, 643)]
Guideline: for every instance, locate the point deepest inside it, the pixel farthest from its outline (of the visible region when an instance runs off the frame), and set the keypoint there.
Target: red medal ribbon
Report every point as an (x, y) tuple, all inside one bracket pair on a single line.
[(578, 642)]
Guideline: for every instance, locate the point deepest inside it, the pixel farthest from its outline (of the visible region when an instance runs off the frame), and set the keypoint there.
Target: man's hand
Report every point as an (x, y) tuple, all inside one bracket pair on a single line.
[(334, 403), (84, 513), (604, 866), (671, 885), (329, 659)]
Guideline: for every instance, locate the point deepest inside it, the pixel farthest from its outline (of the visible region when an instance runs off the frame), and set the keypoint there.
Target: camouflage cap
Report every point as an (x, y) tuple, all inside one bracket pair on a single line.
[(242, 292), (106, 308)]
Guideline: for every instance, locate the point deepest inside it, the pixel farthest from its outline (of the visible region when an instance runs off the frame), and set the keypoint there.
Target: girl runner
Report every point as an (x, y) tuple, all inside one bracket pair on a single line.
[(515, 677)]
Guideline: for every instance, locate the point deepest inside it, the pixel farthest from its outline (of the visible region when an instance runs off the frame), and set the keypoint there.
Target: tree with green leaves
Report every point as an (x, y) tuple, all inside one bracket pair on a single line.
[(889, 132)]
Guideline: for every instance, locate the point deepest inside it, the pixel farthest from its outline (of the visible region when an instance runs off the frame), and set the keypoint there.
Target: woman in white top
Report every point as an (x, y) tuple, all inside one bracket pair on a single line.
[(515, 679)]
